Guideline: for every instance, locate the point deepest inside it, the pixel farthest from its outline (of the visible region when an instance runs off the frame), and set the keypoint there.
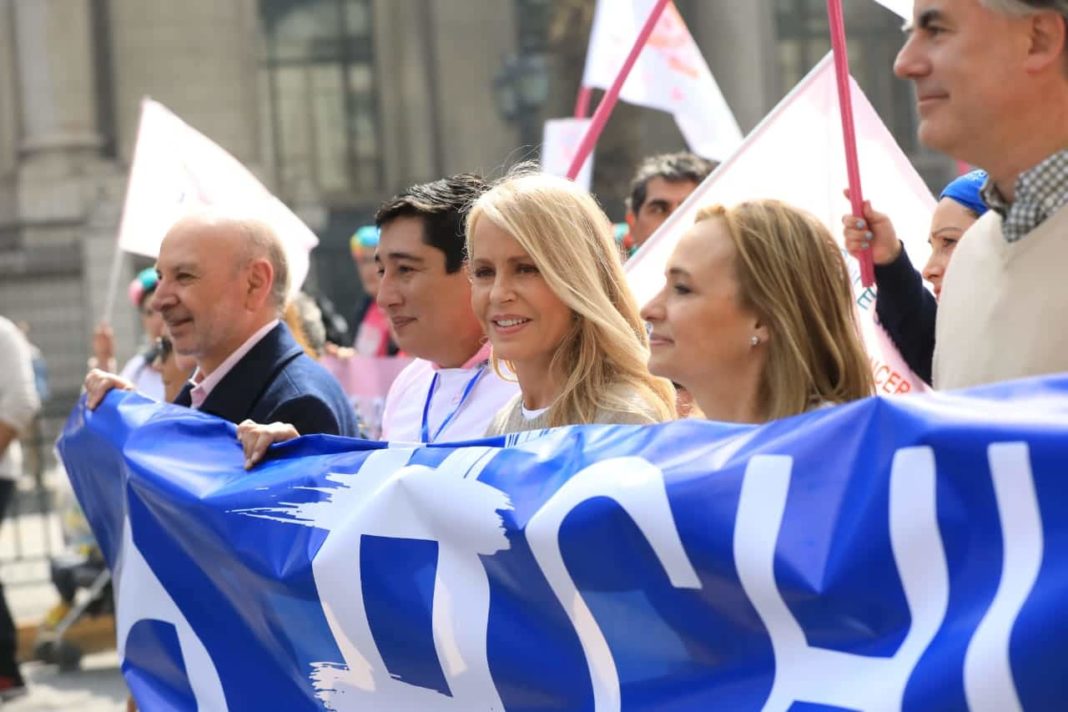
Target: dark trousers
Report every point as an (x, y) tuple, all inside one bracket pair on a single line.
[(8, 637)]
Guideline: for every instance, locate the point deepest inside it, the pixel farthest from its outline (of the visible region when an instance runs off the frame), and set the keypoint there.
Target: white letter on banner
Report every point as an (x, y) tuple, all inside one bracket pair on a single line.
[(140, 596), (638, 487), (447, 505), (808, 674), (988, 681)]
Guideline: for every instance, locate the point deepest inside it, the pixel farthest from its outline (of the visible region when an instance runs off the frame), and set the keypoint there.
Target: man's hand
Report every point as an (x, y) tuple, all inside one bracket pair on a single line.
[(98, 383), (256, 438), (873, 232)]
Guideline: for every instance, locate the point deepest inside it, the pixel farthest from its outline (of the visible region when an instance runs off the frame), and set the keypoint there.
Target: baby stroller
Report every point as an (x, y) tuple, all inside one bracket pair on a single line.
[(82, 578)]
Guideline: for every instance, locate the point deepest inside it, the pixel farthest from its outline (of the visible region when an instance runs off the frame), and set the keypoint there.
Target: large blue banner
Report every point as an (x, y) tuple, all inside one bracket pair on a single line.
[(905, 553)]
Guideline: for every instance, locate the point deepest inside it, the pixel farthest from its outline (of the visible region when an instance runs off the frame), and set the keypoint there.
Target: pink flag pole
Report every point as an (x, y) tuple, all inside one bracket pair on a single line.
[(582, 102), (608, 103), (845, 105)]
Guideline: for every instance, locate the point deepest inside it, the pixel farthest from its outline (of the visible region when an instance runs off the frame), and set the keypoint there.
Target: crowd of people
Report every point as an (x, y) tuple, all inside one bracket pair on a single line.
[(510, 296)]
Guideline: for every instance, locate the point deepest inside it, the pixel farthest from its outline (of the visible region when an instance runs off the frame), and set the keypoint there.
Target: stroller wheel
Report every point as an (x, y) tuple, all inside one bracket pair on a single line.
[(67, 656), (45, 651)]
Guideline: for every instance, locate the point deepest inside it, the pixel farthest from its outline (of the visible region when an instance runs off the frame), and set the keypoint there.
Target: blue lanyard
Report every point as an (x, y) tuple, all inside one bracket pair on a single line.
[(425, 430)]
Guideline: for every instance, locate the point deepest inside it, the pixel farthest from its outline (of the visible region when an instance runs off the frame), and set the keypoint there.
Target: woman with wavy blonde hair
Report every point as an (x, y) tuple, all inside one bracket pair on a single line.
[(549, 289), (757, 319)]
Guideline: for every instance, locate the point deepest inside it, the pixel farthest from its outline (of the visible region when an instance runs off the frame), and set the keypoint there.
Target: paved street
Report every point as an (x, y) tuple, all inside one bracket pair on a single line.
[(97, 687), (25, 542)]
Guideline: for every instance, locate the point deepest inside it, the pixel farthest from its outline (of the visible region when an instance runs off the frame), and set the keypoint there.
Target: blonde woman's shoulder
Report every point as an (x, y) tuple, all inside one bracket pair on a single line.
[(504, 421), (637, 408)]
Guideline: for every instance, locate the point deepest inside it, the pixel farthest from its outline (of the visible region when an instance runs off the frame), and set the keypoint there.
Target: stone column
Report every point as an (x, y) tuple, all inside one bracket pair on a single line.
[(9, 118), (740, 43), (9, 115), (406, 111), (197, 57), (56, 78)]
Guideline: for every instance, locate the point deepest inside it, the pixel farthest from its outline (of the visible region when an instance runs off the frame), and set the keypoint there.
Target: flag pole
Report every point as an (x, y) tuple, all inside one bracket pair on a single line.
[(608, 103), (113, 285), (845, 105), (582, 102)]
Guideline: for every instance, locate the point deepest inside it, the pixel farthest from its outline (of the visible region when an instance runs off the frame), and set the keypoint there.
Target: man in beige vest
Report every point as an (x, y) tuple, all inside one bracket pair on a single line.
[(991, 81)]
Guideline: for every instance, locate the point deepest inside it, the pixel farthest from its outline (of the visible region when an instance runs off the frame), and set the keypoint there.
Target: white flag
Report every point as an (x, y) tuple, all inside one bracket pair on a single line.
[(177, 170), (797, 155), (670, 74), (560, 143), (900, 7)]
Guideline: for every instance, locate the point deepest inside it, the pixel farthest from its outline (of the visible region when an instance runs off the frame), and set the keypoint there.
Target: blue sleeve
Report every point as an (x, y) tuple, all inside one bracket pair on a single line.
[(907, 311)]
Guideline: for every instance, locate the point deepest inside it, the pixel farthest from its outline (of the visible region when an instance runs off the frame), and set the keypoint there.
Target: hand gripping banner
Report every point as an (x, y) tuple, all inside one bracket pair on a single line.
[(891, 554)]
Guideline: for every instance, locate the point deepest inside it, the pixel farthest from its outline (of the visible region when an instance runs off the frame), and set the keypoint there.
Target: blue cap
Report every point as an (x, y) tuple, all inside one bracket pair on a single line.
[(366, 238), (965, 190), (142, 285)]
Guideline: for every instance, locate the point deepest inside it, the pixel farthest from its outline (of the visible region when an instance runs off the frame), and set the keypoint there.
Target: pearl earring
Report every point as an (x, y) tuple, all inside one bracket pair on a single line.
[(754, 341)]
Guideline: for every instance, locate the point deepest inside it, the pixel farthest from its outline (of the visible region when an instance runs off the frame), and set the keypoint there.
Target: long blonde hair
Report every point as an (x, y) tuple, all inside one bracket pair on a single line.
[(791, 273), (569, 238)]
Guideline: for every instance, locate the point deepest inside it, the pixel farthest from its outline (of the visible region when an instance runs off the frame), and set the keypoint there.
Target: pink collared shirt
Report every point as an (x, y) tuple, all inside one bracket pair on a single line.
[(410, 395), (481, 356), (203, 385)]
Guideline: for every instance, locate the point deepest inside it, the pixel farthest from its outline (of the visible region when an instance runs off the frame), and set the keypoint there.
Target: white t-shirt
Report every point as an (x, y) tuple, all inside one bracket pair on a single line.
[(534, 414), (402, 419), (147, 381), (18, 393)]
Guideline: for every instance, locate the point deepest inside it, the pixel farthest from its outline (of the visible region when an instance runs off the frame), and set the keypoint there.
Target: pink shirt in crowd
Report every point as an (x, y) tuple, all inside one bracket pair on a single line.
[(203, 385)]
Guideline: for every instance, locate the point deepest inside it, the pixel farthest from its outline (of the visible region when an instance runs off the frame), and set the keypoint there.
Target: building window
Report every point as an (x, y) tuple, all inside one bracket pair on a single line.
[(323, 99), (874, 38)]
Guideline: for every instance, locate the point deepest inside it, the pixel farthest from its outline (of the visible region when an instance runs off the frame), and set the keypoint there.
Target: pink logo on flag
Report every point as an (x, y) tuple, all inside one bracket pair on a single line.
[(670, 74)]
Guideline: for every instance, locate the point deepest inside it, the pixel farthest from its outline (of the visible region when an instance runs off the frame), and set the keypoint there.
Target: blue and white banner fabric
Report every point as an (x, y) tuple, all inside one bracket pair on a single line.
[(891, 554)]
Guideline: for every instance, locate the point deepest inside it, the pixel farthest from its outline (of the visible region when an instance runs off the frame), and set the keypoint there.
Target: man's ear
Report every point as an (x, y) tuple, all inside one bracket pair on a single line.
[(259, 280), (1048, 36)]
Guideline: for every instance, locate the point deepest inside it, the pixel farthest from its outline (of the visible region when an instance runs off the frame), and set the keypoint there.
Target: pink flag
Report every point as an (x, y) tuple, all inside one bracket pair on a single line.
[(560, 142), (177, 170), (670, 75), (797, 155), (366, 381)]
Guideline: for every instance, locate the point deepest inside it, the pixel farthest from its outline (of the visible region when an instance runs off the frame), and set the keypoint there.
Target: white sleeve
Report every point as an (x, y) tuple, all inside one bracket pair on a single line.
[(18, 392)]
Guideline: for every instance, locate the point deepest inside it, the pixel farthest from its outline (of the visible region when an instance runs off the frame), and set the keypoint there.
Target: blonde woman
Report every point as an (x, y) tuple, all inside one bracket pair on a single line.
[(548, 288), (756, 320)]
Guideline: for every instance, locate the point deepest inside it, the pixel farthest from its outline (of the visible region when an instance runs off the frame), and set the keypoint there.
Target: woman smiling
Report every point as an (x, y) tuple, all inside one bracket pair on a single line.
[(548, 287)]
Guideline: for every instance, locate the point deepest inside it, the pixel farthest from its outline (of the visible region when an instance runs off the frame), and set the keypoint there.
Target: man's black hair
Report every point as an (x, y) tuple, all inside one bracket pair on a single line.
[(443, 206), (672, 167)]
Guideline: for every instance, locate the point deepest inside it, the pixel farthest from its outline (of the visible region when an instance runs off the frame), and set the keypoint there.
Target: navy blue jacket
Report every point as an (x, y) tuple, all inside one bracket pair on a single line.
[(277, 381), (907, 311)]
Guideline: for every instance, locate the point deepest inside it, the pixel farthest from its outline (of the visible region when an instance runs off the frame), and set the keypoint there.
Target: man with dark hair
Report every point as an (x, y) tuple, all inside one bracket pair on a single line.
[(449, 392), (991, 81), (223, 283), (660, 186)]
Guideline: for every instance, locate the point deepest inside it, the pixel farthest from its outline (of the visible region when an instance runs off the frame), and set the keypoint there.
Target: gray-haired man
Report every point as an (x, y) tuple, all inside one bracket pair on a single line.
[(991, 81)]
